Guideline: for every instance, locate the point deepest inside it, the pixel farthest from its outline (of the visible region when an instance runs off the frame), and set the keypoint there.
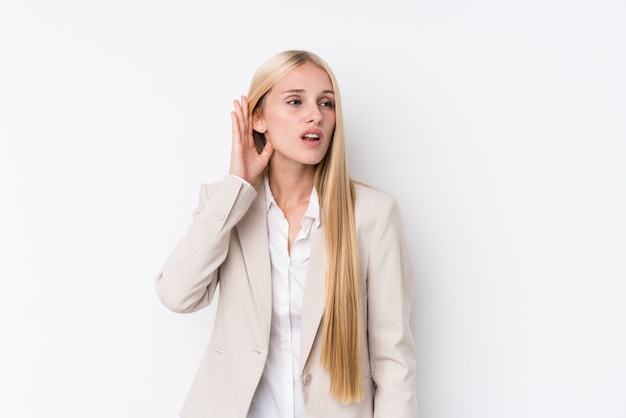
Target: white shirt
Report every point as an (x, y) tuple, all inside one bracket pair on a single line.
[(279, 394)]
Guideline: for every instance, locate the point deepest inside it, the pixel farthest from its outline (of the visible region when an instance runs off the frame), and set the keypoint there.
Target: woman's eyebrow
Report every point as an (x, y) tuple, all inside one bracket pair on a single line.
[(291, 91)]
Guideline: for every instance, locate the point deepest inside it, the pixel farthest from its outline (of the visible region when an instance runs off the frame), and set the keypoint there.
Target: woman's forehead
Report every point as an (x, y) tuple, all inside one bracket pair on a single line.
[(304, 78)]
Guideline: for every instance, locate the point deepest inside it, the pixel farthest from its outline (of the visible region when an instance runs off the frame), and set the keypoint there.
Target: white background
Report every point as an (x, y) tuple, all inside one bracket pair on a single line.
[(498, 125)]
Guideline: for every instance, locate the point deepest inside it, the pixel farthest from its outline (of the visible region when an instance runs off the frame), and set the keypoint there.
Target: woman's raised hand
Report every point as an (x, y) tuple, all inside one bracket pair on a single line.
[(245, 161)]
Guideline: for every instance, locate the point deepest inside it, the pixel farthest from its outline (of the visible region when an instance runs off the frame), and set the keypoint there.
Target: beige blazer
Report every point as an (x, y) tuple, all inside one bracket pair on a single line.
[(227, 244)]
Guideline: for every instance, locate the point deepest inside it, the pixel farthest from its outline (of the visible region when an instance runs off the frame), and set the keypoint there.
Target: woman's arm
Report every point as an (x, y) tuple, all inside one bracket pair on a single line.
[(188, 279), (389, 293)]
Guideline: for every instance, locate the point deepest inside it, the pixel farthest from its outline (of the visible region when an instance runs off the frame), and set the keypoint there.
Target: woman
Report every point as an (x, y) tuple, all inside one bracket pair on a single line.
[(313, 270)]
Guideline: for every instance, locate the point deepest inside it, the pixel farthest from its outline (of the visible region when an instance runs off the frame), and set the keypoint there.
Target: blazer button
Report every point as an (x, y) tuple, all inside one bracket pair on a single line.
[(307, 379)]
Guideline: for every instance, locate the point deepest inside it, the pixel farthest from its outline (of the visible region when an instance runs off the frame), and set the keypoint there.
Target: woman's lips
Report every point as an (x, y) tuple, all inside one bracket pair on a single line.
[(312, 136)]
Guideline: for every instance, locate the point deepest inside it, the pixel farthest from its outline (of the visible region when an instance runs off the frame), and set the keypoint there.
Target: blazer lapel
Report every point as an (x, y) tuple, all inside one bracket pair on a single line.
[(313, 303), (252, 231)]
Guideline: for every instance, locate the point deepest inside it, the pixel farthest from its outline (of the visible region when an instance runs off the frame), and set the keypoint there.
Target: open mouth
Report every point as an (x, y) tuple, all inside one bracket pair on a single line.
[(311, 137)]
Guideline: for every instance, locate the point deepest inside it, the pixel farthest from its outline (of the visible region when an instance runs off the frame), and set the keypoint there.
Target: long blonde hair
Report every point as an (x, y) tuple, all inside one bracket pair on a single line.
[(341, 345)]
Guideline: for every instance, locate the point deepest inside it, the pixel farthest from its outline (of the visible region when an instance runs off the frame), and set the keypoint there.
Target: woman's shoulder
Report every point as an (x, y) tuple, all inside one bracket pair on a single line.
[(376, 211), (372, 200), (368, 194)]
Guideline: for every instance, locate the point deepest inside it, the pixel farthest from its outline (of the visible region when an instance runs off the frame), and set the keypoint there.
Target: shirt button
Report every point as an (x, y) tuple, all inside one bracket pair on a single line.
[(307, 379), (221, 216)]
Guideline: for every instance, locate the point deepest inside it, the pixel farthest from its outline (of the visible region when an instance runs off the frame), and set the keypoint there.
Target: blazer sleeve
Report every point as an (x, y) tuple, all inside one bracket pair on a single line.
[(389, 293), (189, 277)]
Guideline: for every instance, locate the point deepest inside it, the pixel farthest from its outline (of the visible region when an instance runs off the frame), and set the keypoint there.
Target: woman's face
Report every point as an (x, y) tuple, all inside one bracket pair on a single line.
[(299, 116)]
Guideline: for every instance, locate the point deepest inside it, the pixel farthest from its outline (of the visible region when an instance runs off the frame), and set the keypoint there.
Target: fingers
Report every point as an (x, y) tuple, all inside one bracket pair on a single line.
[(243, 121), (237, 125), (245, 161), (235, 128), (244, 106)]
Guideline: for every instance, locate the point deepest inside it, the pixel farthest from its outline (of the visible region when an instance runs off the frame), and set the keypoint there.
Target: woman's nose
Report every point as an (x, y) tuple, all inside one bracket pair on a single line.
[(314, 115)]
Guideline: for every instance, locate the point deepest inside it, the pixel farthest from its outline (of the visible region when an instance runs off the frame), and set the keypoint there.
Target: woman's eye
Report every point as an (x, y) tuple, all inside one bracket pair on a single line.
[(294, 102), (328, 104)]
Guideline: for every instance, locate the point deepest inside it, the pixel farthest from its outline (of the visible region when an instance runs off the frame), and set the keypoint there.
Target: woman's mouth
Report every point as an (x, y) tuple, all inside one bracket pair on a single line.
[(311, 137)]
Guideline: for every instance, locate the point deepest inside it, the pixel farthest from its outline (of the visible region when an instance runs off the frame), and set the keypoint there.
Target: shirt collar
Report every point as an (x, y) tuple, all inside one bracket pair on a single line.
[(312, 211)]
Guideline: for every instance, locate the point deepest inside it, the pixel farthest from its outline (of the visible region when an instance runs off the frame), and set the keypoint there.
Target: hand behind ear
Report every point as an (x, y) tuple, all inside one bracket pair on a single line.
[(245, 160)]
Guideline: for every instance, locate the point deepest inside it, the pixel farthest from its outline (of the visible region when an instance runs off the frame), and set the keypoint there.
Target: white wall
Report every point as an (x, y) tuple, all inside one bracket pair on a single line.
[(499, 126)]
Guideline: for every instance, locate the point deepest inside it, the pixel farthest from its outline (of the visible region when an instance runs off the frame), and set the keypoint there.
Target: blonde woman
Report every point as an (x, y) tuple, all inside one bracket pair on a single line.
[(313, 272)]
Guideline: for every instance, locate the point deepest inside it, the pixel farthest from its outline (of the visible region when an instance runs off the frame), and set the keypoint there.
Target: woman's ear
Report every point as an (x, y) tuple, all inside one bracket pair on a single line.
[(258, 123)]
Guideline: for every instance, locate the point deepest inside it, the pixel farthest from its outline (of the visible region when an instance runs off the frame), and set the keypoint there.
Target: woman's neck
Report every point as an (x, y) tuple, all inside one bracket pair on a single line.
[(291, 185)]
